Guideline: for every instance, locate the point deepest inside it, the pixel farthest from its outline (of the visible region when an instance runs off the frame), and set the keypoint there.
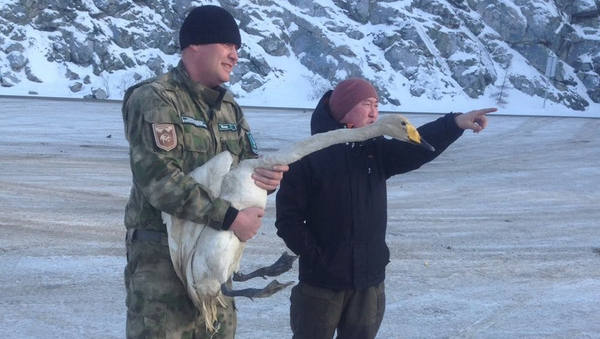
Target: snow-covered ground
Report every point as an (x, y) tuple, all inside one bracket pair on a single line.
[(496, 239)]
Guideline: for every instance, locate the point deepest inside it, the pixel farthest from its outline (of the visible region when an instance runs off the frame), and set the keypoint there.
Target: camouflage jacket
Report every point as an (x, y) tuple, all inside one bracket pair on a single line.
[(174, 125)]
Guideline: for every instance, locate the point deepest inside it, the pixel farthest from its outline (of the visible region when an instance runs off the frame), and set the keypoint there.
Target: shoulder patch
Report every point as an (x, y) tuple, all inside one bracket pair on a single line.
[(164, 136), (252, 143)]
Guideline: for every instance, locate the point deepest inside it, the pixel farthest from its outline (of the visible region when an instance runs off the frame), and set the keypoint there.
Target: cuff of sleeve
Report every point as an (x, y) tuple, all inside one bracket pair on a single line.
[(230, 216), (219, 211), (451, 122)]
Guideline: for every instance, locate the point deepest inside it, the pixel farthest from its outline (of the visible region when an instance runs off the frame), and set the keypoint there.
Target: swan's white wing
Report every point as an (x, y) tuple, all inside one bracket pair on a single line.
[(183, 235), (216, 258)]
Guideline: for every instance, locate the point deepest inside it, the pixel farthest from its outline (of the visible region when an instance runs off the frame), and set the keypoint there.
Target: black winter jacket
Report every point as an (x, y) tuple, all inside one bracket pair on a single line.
[(332, 204)]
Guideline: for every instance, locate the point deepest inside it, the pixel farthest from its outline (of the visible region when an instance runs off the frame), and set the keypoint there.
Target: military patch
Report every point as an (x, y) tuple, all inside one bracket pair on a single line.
[(252, 143), (227, 127), (192, 121), (164, 136)]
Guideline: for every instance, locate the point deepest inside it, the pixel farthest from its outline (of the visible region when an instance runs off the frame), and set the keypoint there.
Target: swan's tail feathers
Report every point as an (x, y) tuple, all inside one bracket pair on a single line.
[(267, 291), (208, 307), (282, 265)]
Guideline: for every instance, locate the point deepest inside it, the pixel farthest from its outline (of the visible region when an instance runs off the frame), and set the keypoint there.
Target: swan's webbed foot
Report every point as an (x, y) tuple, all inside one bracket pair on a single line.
[(274, 287), (282, 265)]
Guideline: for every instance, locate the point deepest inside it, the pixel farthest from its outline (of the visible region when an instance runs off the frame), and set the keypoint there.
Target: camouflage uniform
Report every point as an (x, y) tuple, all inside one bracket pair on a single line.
[(174, 125)]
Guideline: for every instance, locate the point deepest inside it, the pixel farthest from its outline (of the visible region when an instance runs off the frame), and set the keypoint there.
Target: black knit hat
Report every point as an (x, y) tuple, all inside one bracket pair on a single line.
[(209, 25)]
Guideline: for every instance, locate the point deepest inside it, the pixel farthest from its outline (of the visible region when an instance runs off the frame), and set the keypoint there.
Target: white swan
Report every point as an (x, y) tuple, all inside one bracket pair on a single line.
[(205, 258)]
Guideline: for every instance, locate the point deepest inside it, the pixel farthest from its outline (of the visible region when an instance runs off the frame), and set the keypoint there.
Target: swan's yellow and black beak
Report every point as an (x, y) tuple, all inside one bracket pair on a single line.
[(415, 138)]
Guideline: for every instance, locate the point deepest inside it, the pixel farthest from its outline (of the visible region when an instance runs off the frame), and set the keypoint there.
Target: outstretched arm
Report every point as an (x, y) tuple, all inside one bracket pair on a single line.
[(475, 120)]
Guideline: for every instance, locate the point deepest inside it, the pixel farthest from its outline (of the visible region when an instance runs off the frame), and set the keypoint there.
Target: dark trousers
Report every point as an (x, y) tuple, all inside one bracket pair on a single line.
[(316, 313)]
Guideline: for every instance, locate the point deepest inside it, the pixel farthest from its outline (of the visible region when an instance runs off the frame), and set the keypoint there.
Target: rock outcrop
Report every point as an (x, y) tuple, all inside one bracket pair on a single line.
[(431, 48)]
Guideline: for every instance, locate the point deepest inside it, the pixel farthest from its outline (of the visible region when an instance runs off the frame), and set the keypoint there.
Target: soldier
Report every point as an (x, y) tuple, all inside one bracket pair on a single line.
[(175, 123)]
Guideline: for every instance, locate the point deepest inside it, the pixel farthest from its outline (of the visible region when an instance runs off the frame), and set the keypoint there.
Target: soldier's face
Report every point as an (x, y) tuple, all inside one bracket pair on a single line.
[(214, 63)]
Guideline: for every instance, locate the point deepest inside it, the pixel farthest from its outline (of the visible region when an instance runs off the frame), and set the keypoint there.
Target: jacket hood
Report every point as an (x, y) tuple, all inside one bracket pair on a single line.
[(321, 120)]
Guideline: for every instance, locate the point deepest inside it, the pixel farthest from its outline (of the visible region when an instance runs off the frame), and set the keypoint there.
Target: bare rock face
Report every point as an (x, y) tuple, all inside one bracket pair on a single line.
[(16, 60), (425, 48)]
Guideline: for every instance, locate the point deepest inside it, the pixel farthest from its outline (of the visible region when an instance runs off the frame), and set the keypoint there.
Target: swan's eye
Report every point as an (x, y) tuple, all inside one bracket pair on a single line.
[(403, 123)]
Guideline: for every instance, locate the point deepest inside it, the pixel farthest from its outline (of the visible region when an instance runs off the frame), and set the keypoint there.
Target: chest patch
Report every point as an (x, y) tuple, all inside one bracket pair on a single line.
[(164, 136), (192, 121), (227, 127)]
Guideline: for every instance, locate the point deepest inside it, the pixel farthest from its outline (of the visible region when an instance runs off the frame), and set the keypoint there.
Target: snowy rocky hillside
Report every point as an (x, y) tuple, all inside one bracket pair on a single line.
[(411, 49)]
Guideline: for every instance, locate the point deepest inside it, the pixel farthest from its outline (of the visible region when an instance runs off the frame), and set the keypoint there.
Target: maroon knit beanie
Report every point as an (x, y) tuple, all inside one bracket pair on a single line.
[(348, 94)]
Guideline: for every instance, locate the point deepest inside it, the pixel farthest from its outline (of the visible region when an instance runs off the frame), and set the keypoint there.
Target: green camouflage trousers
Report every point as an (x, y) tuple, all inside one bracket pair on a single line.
[(157, 303)]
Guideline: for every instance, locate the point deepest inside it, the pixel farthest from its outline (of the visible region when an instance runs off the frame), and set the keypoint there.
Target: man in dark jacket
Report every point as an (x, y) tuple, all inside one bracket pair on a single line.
[(332, 211)]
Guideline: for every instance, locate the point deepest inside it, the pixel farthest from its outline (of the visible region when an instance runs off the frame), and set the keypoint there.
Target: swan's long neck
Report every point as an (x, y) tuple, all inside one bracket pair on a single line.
[(317, 142)]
